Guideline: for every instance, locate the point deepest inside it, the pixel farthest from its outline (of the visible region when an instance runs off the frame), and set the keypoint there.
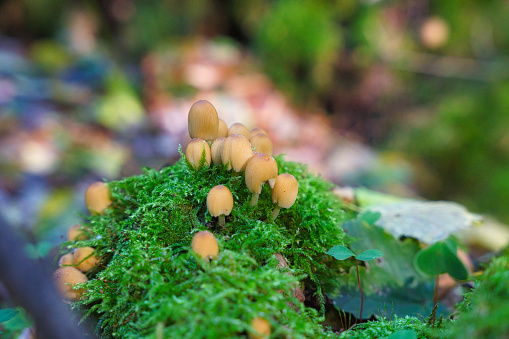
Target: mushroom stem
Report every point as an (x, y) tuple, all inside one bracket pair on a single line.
[(222, 220), (254, 199), (275, 212)]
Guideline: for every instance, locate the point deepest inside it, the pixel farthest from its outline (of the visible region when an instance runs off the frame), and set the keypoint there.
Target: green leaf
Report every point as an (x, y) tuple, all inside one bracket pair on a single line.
[(340, 252), (7, 314), (370, 217), (440, 258), (370, 255), (403, 334), (391, 285)]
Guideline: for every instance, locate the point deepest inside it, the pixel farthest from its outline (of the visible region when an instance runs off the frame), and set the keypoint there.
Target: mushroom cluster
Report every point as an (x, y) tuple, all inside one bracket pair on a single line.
[(238, 149)]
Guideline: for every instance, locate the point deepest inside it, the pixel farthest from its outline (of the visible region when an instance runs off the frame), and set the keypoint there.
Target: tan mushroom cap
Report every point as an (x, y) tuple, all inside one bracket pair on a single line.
[(256, 130), (236, 150), (194, 152), (76, 233), (83, 264), (216, 149), (97, 197), (203, 121), (260, 168), (66, 277), (66, 259), (205, 245), (285, 190), (238, 128), (262, 143), (222, 130), (219, 201), (261, 328)]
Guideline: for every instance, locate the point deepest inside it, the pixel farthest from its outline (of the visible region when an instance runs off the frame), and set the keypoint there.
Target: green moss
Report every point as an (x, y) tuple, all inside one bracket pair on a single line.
[(151, 284), (385, 327)]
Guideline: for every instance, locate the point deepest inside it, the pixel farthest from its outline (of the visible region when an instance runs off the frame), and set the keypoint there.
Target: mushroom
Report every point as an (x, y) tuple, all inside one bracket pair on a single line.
[(203, 121), (261, 142), (85, 259), (65, 260), (238, 128), (65, 278), (205, 245), (236, 152), (97, 197), (260, 328), (256, 131), (195, 150), (284, 192), (220, 202), (260, 168), (75, 233), (216, 149), (222, 130)]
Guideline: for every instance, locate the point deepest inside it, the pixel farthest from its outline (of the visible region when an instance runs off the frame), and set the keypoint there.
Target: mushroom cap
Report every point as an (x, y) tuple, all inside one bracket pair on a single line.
[(203, 121), (238, 128), (256, 130), (261, 328), (80, 254), (216, 149), (222, 130), (194, 152), (205, 245), (66, 259), (285, 190), (76, 233), (260, 168), (236, 150), (219, 201), (262, 143), (66, 277), (97, 197)]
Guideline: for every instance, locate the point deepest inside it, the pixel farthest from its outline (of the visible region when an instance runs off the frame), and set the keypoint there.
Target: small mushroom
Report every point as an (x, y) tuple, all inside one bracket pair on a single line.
[(195, 150), (262, 144), (85, 259), (76, 233), (260, 168), (238, 128), (203, 121), (284, 192), (216, 149), (260, 328), (236, 151), (97, 197), (222, 130), (65, 278), (220, 202), (66, 259), (256, 131), (205, 245)]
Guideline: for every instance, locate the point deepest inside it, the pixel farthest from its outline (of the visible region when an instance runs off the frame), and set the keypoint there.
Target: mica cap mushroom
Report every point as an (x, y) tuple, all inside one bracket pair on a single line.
[(216, 149), (203, 121), (260, 168), (284, 192), (262, 143), (205, 245), (97, 197), (220, 202), (195, 150), (65, 278), (260, 327), (85, 259), (222, 130), (238, 128), (236, 152)]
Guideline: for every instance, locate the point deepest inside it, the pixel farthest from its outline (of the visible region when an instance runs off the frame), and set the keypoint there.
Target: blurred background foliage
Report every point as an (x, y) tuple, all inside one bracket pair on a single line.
[(424, 82)]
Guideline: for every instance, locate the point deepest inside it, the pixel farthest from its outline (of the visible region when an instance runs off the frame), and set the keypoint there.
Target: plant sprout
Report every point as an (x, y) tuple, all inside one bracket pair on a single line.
[(342, 253)]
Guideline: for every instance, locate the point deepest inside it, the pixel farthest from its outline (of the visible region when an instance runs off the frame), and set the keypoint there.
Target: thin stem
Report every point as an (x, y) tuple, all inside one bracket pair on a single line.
[(275, 212), (435, 301), (254, 199), (360, 287), (222, 220)]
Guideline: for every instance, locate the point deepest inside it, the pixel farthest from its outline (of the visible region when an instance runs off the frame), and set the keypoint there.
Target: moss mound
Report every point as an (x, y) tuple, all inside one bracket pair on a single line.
[(150, 283)]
